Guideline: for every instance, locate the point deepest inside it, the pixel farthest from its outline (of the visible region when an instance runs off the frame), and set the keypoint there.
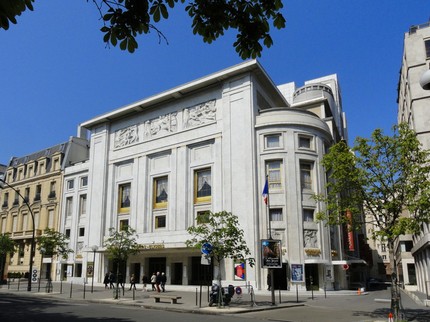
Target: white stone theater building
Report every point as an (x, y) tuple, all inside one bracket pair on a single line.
[(157, 164)]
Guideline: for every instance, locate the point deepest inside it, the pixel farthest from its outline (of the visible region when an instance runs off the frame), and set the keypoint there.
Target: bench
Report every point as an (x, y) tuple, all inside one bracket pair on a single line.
[(173, 298)]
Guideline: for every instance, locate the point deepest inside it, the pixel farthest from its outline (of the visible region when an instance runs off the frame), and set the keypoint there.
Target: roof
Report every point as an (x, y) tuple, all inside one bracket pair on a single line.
[(15, 161), (182, 90)]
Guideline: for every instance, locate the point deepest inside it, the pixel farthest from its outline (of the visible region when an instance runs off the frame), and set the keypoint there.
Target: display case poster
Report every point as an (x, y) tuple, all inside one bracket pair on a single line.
[(239, 271), (297, 273), (271, 253)]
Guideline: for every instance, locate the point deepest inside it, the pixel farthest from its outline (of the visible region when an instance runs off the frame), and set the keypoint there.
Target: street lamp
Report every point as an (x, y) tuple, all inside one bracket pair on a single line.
[(32, 245), (94, 248)]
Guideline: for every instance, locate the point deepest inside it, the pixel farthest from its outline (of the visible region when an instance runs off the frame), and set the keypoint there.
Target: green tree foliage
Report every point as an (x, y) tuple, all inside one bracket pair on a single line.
[(54, 243), (119, 246), (124, 20), (221, 230), (7, 246), (9, 9), (383, 181)]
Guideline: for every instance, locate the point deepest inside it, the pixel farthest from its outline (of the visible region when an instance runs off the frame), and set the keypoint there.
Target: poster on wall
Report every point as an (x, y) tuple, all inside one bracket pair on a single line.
[(90, 269), (297, 273), (271, 253), (239, 271)]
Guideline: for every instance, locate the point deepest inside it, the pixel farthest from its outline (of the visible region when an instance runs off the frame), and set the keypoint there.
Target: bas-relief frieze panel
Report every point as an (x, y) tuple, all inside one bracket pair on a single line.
[(200, 114), (310, 238), (162, 125), (126, 136), (196, 115)]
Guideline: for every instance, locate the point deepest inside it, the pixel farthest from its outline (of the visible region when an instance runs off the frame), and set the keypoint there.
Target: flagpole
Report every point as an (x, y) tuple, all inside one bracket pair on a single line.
[(268, 208)]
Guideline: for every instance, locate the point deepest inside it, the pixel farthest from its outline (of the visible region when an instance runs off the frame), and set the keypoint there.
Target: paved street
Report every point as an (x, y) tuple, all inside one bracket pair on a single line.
[(74, 303)]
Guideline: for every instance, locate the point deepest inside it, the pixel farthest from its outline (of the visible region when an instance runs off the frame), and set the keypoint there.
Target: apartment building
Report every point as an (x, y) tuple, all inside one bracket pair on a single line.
[(413, 106), (31, 201)]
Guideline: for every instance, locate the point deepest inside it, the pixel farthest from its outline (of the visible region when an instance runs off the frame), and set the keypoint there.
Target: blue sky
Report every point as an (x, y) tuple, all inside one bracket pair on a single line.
[(56, 73)]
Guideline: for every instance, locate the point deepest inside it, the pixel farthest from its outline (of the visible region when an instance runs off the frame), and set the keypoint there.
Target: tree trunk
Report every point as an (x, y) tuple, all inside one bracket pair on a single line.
[(395, 294)]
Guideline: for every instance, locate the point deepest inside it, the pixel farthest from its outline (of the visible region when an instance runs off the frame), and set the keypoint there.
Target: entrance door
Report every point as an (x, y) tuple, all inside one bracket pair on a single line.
[(156, 264), (177, 272), (312, 280), (135, 269)]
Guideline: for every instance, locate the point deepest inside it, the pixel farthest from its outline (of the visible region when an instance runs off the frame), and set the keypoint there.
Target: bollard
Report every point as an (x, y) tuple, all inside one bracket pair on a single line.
[(71, 287), (196, 297), (297, 294), (84, 289), (38, 287), (8, 283), (134, 294), (280, 301), (19, 279), (61, 287)]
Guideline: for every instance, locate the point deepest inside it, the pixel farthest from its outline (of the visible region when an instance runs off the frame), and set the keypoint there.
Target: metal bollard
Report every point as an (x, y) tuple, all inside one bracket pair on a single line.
[(71, 287)]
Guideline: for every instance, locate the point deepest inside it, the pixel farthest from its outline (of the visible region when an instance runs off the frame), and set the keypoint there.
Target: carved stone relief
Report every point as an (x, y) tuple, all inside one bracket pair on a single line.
[(163, 124), (126, 136), (310, 238), (200, 114)]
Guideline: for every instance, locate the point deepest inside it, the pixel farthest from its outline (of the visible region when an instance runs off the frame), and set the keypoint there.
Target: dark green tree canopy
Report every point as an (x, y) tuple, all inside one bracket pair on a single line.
[(384, 177), (221, 230), (7, 245), (124, 20), (121, 244), (54, 243)]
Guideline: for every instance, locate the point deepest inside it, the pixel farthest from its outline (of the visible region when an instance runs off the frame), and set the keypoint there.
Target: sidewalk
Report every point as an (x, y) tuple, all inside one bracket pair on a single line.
[(191, 299)]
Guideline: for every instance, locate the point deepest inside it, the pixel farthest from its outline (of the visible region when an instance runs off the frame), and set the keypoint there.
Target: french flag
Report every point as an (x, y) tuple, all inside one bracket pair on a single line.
[(266, 191)]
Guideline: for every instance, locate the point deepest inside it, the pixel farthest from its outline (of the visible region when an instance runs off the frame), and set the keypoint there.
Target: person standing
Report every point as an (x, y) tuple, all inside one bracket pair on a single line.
[(144, 282), (153, 281), (163, 281), (132, 282)]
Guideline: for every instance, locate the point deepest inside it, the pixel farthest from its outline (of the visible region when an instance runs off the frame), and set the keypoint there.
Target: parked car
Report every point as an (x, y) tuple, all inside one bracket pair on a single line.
[(374, 284)]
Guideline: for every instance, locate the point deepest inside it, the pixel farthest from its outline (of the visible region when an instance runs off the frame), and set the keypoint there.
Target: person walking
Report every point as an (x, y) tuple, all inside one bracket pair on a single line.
[(144, 282), (158, 281), (132, 282), (111, 280), (163, 281), (153, 281), (106, 280)]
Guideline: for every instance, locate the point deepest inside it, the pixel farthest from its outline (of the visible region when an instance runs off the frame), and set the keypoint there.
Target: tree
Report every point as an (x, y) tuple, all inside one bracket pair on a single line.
[(124, 20), (7, 246), (387, 179), (221, 231), (53, 243), (119, 246)]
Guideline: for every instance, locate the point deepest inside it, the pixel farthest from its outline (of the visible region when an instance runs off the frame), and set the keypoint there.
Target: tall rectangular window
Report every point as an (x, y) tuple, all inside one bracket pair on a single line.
[(161, 190), (273, 141), (50, 218), (69, 206), (305, 142), (82, 205), (273, 169), (308, 215), (52, 190), (275, 214), (124, 197), (306, 175), (203, 185), (84, 181), (427, 45), (70, 184), (38, 192)]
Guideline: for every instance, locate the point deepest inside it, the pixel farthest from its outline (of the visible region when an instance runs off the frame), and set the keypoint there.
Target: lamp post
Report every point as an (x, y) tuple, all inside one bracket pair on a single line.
[(94, 248), (32, 245)]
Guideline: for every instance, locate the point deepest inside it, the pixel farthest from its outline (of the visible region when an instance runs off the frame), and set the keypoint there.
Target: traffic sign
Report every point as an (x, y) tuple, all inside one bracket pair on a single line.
[(207, 248)]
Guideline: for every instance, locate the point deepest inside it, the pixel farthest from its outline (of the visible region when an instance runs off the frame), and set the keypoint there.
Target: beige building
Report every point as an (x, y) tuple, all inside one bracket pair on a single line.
[(30, 201), (413, 108)]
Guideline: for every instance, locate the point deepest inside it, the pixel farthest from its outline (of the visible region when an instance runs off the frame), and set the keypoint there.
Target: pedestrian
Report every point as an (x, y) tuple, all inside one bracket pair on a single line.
[(153, 280), (106, 280), (120, 280), (111, 280), (132, 282), (144, 282), (163, 281), (158, 281)]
